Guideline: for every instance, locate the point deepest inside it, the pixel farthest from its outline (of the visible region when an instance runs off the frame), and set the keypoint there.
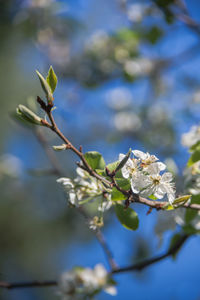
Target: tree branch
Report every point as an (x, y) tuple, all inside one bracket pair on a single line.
[(135, 267), (148, 262), (35, 283)]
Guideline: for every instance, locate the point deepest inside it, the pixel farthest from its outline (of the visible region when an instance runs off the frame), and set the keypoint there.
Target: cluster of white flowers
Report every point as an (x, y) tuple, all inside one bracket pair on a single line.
[(192, 137), (83, 188), (82, 282), (146, 180)]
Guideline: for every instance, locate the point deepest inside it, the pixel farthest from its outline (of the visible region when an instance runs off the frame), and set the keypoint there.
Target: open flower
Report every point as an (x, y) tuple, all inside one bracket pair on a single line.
[(130, 167), (146, 160), (154, 184)]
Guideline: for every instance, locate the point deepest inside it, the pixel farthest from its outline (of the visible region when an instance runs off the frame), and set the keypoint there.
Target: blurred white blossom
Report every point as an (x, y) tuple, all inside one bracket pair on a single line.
[(127, 121), (85, 282), (136, 12), (97, 41), (196, 97), (40, 3), (192, 137), (138, 67), (10, 165), (118, 98)]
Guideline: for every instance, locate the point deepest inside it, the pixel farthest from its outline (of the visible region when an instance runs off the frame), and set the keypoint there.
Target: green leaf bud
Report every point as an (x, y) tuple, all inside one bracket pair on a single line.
[(27, 115), (60, 148), (46, 88)]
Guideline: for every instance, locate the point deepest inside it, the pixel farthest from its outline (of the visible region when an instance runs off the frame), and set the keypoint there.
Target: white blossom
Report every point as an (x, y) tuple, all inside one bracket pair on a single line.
[(82, 187), (146, 180), (70, 189), (105, 205), (130, 168), (192, 137), (146, 160), (154, 184)]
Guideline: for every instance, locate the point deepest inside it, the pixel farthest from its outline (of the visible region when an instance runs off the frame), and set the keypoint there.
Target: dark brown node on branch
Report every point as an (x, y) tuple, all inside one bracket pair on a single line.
[(42, 103), (127, 203), (149, 211)]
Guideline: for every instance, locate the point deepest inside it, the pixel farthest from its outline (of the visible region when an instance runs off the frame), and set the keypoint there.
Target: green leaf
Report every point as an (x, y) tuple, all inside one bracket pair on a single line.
[(152, 197), (189, 229), (117, 195), (45, 86), (95, 160), (112, 167), (190, 214), (195, 147), (194, 158), (195, 199), (127, 217), (154, 34), (177, 202), (52, 79), (182, 199)]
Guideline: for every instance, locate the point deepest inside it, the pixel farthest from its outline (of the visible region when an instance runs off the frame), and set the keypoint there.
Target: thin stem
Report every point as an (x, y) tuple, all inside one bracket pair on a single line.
[(106, 249), (49, 153), (100, 237), (55, 128)]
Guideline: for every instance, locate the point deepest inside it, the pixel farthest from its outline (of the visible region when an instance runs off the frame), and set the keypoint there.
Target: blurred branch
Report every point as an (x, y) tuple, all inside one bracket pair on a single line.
[(185, 18), (100, 237), (135, 267), (57, 169), (148, 262), (35, 283)]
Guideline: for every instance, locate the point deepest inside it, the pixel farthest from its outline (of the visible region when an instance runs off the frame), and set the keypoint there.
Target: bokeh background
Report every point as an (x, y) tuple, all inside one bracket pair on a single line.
[(128, 77)]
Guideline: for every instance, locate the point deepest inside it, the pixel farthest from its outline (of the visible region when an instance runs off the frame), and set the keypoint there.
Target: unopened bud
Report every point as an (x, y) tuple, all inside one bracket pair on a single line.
[(27, 115), (46, 88), (60, 148)]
